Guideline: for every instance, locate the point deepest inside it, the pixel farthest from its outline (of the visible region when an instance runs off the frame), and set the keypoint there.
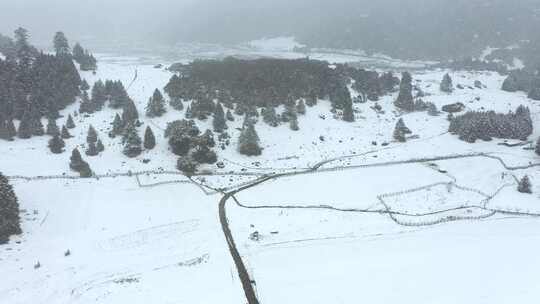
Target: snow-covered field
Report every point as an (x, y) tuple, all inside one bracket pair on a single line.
[(164, 244)]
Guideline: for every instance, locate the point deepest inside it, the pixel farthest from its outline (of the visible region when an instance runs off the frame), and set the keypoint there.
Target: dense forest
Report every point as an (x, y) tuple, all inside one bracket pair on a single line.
[(245, 85)]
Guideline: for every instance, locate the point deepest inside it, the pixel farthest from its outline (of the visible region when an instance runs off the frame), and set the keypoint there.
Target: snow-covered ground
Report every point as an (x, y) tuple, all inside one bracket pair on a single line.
[(164, 244)]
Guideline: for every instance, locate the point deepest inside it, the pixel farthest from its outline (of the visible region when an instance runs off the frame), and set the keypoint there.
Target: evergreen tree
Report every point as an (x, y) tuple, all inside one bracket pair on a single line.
[(77, 164), (149, 139), (99, 96), (25, 127), (176, 103), (432, 109), (84, 85), (92, 149), (61, 45), (91, 137), (229, 116), (219, 122), (37, 126), (99, 145), (405, 100), (78, 52), (204, 155), (537, 150), (290, 110), (348, 113), (65, 133), (52, 127), (132, 142), (248, 142), (4, 132), (270, 117), (399, 135), (117, 126), (156, 105), (56, 144), (446, 84), (187, 165), (401, 125), (11, 131), (524, 185), (86, 106), (293, 124), (9, 211), (130, 113), (189, 113), (69, 123), (301, 107)]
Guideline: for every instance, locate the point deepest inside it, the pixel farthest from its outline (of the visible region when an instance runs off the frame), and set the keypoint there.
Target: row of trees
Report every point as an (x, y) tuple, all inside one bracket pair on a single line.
[(525, 80), (487, 125)]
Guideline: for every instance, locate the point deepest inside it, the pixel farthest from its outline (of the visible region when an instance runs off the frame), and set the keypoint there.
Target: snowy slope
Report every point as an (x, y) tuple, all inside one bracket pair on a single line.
[(163, 244)]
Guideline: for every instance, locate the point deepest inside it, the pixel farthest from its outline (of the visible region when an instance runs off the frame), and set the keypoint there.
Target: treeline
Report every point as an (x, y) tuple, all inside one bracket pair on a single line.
[(488, 125), (33, 84), (471, 64), (525, 80), (245, 85)]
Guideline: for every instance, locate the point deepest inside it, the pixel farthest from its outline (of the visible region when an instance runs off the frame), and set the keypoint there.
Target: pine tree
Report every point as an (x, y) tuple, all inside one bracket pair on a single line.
[(132, 142), (537, 150), (84, 85), (229, 116), (130, 113), (149, 139), (156, 105), (293, 124), (219, 122), (301, 107), (189, 113), (61, 45), (176, 103), (86, 106), (4, 133), (52, 127), (117, 126), (11, 131), (186, 165), (270, 117), (399, 135), (69, 123), (446, 84), (348, 113), (56, 144), (25, 127), (99, 95), (405, 100), (248, 142), (92, 149), (77, 164), (37, 126), (9, 211), (432, 109), (99, 145), (92, 136), (78, 52), (524, 185), (401, 125), (65, 133), (75, 160)]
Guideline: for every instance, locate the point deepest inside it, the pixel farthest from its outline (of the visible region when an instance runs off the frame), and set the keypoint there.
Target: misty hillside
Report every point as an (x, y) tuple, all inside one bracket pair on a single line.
[(402, 29)]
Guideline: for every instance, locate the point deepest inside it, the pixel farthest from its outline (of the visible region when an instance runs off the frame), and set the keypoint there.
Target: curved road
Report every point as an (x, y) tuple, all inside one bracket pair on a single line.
[(247, 282)]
